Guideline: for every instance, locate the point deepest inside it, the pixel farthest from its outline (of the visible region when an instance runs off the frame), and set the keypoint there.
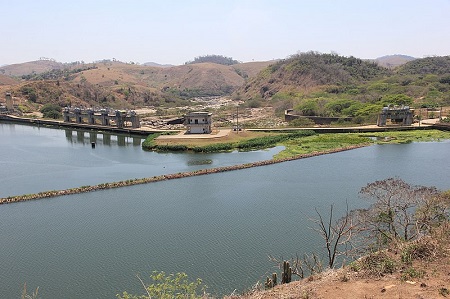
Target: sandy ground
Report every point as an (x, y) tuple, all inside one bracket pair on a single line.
[(184, 135)]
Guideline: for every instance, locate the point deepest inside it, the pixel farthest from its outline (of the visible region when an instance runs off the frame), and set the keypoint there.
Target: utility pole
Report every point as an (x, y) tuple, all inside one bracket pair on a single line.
[(237, 119)]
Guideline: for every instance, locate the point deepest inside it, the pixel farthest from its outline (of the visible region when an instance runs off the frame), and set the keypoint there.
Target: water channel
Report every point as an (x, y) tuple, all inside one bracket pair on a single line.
[(219, 227)]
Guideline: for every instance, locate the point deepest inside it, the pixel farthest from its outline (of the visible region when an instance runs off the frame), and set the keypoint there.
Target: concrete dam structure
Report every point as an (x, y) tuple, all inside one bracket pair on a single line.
[(104, 117)]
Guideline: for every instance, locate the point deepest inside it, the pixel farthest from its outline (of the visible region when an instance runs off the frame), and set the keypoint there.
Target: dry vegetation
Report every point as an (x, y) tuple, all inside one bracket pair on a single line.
[(405, 237), (426, 276)]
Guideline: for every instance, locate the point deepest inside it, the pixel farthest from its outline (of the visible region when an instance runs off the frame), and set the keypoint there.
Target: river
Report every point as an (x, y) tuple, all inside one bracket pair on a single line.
[(219, 227)]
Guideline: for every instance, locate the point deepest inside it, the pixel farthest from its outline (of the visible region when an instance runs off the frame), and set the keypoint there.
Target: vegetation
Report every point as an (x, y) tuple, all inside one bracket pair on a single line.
[(56, 74), (329, 85), (172, 286), (429, 65), (219, 59), (33, 295), (51, 111), (408, 136), (245, 145), (320, 142), (404, 225)]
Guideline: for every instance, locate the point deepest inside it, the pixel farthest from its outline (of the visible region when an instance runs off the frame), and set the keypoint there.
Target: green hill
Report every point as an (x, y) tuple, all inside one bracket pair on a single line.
[(308, 70), (329, 85), (438, 65)]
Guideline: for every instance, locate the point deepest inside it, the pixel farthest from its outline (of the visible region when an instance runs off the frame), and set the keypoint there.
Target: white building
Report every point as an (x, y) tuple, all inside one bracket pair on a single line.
[(198, 122)]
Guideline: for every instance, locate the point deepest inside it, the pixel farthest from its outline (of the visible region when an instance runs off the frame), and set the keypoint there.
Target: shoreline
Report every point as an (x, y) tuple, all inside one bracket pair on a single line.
[(132, 182)]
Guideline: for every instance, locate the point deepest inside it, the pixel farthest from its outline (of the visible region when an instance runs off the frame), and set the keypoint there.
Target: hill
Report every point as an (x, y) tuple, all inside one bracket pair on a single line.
[(6, 80), (32, 67), (392, 61), (313, 84), (308, 70), (439, 65), (123, 85)]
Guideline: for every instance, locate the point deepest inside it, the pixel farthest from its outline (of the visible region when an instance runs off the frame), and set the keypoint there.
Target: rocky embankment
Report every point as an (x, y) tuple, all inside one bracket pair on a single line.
[(131, 182)]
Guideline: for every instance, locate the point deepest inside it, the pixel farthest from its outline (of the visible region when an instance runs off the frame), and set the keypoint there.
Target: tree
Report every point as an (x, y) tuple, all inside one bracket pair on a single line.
[(336, 234), (51, 111), (400, 211), (308, 107), (397, 99)]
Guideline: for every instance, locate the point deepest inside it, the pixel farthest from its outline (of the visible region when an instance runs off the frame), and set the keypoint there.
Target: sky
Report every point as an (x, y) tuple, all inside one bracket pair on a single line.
[(177, 31)]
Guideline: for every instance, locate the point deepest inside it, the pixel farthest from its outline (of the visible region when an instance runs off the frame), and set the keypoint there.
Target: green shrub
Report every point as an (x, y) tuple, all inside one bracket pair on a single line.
[(170, 148), (51, 111), (169, 286), (149, 142), (218, 147)]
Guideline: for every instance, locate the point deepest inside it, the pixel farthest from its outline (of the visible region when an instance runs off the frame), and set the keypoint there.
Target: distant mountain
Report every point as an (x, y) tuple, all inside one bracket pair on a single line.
[(392, 61), (154, 64), (32, 67)]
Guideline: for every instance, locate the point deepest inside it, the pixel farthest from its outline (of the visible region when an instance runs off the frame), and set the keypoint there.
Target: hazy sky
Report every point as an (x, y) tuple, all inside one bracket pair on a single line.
[(173, 32)]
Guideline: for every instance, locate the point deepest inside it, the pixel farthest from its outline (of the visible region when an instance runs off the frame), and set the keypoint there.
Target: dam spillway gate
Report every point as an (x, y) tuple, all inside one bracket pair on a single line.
[(104, 117)]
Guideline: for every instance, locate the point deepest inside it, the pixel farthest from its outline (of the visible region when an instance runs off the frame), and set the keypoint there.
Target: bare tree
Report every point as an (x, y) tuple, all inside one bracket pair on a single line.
[(337, 234), (394, 213)]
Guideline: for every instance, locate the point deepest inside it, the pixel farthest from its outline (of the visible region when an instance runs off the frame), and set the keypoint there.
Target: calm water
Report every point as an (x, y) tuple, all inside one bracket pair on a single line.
[(218, 227), (39, 159)]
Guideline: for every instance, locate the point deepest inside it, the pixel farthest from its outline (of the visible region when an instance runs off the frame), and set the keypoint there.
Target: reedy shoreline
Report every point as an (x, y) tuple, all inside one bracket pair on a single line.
[(132, 182)]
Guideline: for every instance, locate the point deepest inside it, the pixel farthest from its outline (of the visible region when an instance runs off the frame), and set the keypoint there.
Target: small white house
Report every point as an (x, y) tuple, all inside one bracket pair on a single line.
[(198, 122)]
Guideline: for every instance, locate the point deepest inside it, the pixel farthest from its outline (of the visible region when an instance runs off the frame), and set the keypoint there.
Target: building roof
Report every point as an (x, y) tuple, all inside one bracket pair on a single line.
[(199, 113)]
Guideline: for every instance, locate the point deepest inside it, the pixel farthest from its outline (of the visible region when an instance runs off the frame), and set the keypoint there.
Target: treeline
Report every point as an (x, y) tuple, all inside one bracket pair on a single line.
[(219, 59)]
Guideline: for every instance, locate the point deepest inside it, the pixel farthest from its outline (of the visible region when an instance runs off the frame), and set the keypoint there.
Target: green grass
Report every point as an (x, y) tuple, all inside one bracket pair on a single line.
[(242, 145), (321, 142), (303, 142), (409, 136), (317, 143)]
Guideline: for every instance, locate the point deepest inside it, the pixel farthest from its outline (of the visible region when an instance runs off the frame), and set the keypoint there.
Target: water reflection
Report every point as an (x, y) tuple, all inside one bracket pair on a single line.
[(108, 139)]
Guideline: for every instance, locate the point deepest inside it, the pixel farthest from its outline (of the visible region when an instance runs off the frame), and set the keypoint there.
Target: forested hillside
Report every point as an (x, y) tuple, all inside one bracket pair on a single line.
[(330, 85), (424, 66)]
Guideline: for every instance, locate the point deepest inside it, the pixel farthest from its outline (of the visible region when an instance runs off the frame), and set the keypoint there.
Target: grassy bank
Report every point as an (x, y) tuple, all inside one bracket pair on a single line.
[(321, 142), (296, 143), (243, 142), (409, 136)]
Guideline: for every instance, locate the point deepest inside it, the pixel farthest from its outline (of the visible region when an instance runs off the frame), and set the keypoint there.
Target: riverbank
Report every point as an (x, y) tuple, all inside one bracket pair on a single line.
[(132, 182)]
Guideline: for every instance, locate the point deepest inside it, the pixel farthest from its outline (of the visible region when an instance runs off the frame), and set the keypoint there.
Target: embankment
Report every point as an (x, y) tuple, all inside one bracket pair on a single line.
[(132, 182)]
